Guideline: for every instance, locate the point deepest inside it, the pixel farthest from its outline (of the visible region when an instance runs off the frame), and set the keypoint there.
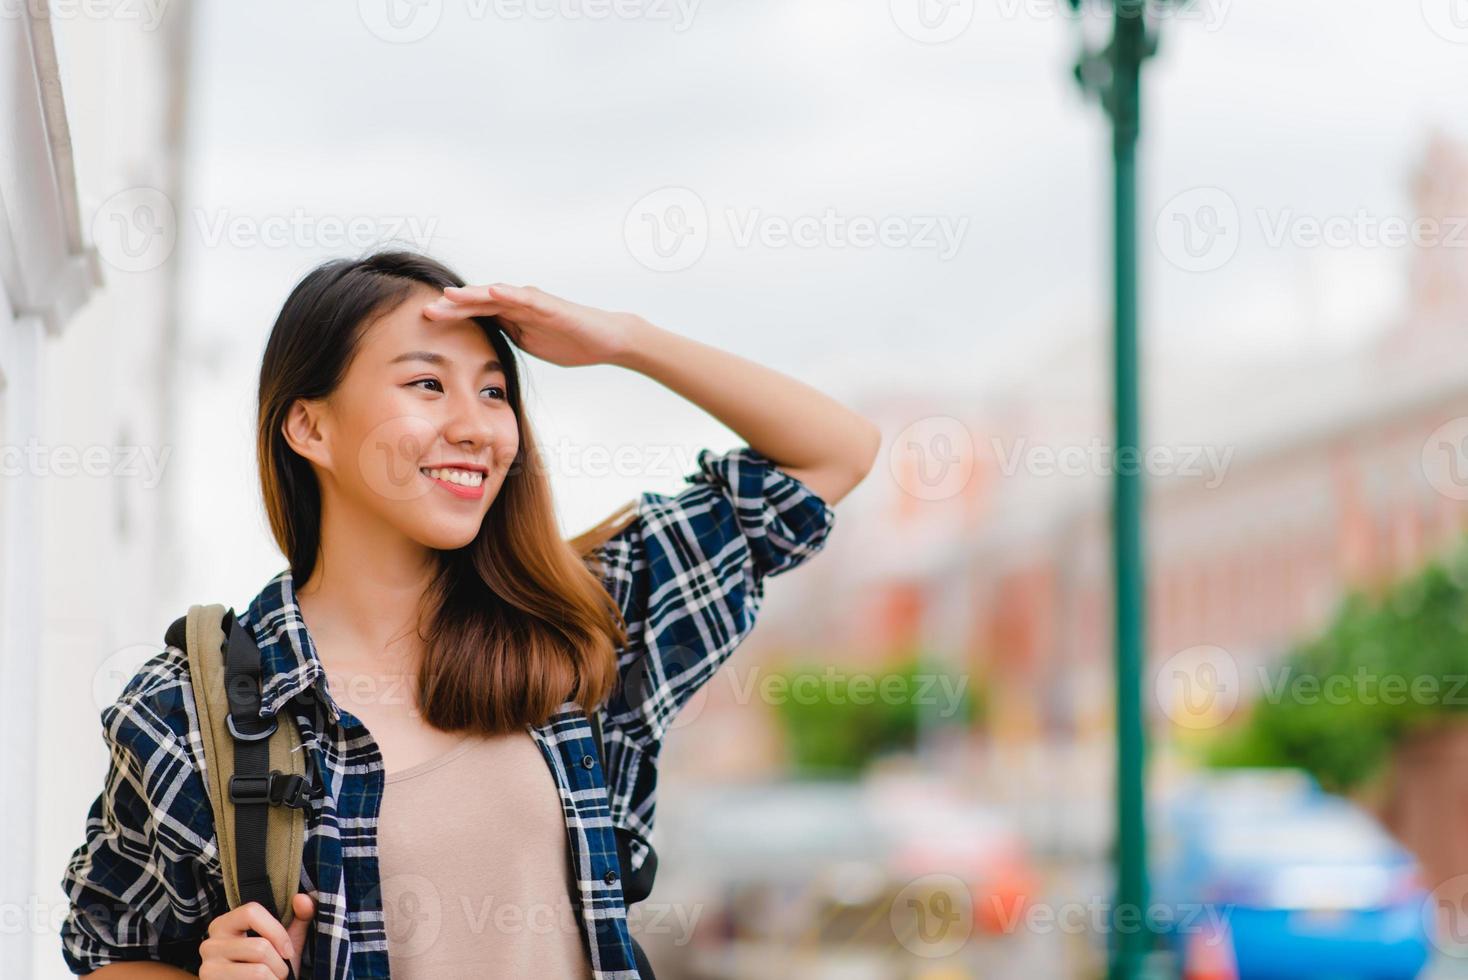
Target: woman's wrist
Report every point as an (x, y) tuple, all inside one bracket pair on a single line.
[(638, 345)]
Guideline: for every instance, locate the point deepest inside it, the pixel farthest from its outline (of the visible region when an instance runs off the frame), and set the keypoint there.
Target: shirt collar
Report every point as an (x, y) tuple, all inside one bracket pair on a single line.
[(288, 661)]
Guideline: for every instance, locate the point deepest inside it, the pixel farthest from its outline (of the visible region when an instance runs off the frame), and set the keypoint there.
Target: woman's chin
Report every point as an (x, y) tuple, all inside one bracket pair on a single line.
[(446, 536)]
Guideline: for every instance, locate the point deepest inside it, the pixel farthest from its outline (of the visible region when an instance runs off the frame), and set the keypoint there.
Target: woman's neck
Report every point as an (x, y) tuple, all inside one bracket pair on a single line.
[(363, 599)]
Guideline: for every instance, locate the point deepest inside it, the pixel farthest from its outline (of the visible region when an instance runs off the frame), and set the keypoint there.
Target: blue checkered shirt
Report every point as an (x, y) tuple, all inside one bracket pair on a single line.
[(687, 574)]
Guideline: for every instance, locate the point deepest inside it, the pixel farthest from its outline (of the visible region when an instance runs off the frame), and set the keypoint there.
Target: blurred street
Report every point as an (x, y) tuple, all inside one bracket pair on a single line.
[(1159, 582)]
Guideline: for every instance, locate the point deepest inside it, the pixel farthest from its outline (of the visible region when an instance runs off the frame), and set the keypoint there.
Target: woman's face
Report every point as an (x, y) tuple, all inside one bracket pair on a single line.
[(420, 433)]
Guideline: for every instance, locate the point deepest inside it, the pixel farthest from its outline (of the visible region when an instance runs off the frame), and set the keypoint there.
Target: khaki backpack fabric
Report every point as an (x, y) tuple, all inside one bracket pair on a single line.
[(286, 829)]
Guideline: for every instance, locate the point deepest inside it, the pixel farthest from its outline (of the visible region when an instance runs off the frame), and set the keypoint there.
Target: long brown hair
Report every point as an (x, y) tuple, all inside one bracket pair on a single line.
[(514, 623)]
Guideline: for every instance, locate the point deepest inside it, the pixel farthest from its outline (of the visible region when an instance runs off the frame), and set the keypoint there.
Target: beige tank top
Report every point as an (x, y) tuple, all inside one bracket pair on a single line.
[(475, 866)]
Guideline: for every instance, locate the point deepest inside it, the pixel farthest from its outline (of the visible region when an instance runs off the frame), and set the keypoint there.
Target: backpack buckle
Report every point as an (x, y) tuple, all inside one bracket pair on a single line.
[(276, 789), (259, 736)]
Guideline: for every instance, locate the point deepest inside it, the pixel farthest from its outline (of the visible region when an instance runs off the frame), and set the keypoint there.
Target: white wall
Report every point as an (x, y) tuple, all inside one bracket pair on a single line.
[(85, 549)]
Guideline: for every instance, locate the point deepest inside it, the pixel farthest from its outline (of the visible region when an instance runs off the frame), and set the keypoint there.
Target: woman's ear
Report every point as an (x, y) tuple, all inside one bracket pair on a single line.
[(303, 429)]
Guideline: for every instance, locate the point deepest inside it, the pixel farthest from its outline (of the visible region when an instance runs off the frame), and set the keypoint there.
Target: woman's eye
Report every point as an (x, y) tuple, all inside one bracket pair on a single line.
[(500, 392)]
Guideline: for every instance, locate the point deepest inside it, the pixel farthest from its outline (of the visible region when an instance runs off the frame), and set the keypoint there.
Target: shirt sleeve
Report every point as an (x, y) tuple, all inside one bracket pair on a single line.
[(688, 574), (141, 885)]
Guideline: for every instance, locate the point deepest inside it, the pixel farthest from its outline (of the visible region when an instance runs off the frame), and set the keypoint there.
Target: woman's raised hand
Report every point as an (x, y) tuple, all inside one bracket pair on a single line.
[(546, 326), (231, 953)]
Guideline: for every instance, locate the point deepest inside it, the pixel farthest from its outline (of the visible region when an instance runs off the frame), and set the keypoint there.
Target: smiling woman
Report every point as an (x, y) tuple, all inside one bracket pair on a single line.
[(382, 413), (402, 483)]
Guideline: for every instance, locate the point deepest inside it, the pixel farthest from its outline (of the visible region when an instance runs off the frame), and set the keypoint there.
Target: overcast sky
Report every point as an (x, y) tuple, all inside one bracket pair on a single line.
[(621, 161)]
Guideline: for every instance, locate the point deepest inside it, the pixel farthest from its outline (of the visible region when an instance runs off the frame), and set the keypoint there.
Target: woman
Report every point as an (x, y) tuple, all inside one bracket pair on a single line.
[(465, 642)]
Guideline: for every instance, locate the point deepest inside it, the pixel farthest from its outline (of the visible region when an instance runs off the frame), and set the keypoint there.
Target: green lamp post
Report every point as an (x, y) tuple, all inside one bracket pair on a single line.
[(1114, 75)]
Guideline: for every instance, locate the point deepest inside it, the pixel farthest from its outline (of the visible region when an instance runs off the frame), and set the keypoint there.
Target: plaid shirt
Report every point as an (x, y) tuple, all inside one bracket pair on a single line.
[(688, 576)]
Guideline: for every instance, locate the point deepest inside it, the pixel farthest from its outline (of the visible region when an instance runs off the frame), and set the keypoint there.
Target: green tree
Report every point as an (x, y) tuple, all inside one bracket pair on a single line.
[(837, 720), (1385, 667)]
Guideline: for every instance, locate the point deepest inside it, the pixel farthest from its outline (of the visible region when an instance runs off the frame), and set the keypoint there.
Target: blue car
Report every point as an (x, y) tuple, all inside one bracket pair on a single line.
[(1262, 875)]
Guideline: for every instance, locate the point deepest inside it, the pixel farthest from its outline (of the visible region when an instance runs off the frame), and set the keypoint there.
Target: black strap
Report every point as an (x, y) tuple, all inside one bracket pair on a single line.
[(251, 762), (254, 787)]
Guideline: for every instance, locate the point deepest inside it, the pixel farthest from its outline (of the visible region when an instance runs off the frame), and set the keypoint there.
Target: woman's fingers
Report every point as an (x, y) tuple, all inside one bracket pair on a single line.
[(471, 294), (252, 949), (252, 915), (528, 297)]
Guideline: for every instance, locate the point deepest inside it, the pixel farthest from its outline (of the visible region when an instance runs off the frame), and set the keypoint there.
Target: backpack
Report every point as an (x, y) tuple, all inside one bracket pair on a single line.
[(266, 776), (260, 769)]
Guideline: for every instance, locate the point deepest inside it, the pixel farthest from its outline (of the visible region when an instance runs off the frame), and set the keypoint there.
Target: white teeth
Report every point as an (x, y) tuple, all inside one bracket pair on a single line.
[(465, 478)]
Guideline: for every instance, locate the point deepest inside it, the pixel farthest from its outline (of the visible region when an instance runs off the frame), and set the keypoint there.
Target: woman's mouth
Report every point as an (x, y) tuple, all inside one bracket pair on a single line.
[(461, 483)]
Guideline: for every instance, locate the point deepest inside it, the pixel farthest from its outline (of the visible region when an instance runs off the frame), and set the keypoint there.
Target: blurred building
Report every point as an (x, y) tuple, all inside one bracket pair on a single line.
[(46, 273), (1278, 483), (86, 335)]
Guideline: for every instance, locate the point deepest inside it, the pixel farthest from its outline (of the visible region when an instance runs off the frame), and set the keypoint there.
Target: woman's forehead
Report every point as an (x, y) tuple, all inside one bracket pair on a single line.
[(404, 328)]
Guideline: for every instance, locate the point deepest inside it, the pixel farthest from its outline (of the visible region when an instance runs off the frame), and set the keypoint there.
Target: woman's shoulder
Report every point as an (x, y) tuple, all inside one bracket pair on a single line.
[(157, 701), (151, 734), (151, 727)]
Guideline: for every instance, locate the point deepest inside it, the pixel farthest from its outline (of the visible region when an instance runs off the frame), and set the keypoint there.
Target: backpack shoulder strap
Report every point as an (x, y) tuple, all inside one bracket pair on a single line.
[(256, 779)]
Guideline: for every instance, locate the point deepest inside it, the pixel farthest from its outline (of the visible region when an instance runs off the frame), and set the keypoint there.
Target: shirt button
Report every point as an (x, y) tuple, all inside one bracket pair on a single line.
[(610, 877), (587, 762)]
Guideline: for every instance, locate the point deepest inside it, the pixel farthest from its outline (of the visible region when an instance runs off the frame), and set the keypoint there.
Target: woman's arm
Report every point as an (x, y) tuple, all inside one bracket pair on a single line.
[(139, 971), (810, 435), (807, 434)]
